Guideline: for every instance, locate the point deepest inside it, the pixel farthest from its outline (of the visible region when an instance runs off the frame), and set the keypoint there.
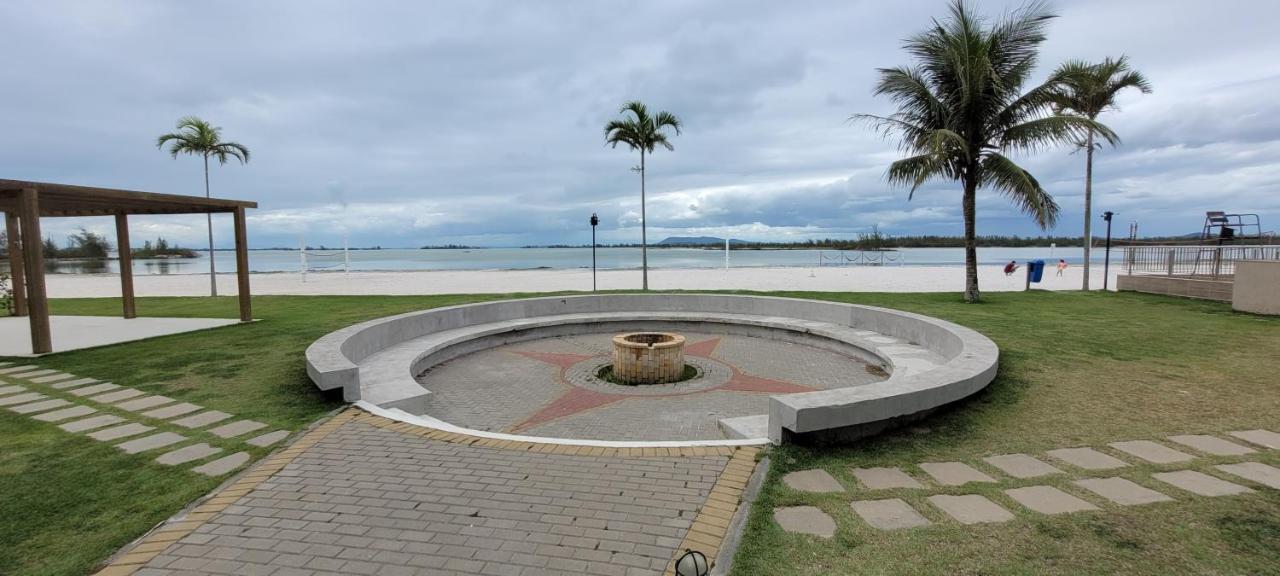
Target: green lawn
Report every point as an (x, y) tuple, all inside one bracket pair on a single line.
[(1076, 369)]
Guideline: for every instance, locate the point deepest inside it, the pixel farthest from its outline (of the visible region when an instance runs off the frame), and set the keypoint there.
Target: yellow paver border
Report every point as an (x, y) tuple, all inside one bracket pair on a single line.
[(711, 525)]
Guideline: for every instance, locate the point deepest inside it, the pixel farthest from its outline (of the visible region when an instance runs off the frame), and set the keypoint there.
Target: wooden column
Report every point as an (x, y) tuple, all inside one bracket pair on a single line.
[(126, 265), (16, 265), (242, 266), (33, 254)]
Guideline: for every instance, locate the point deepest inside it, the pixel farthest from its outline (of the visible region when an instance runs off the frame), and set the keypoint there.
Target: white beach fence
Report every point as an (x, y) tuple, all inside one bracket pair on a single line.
[(328, 259)]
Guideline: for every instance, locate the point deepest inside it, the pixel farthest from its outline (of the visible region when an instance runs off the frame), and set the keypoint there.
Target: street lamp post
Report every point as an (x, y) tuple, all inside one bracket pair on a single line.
[(595, 220), (1106, 262)]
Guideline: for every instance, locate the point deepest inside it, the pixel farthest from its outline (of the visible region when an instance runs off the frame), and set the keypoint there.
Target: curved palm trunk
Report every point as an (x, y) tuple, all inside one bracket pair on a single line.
[(970, 242), (213, 278), (1088, 206), (644, 223)]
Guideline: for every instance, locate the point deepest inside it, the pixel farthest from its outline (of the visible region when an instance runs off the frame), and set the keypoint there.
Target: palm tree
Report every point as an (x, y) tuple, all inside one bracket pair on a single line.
[(1087, 91), (644, 133), (961, 108), (199, 138)]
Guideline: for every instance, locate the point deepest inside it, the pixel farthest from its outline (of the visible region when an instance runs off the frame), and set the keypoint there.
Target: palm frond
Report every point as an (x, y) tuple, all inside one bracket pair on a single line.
[(1021, 188), (916, 170)]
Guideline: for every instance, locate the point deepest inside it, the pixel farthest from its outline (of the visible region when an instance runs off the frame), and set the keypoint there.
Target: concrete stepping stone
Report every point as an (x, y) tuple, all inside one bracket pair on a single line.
[(1268, 476), (1048, 500), (7, 390), (32, 374), (91, 423), (1021, 465), (151, 442), (1152, 452), (1212, 445), (971, 509), (188, 454), (3, 364), (172, 411), (1121, 491), (1200, 483), (226, 464), (52, 378), (202, 419), (17, 369), (147, 403), (118, 396), (1087, 458), (889, 514), (95, 389), (812, 481), (1263, 438), (41, 406), (805, 520), (237, 428), (65, 414), (130, 429), (73, 383), (954, 473), (21, 399), (272, 437), (885, 478)]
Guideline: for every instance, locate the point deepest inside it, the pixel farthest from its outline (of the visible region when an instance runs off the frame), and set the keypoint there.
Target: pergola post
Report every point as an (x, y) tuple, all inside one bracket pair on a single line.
[(242, 265), (16, 275), (126, 265), (33, 254)]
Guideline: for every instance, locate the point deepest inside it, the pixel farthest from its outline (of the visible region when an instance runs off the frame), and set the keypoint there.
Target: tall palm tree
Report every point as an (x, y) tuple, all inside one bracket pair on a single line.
[(961, 108), (1087, 91), (196, 137), (642, 132)]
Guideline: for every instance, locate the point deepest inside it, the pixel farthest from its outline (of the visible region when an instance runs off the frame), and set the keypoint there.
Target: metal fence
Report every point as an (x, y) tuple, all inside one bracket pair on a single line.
[(1208, 261), (860, 258)]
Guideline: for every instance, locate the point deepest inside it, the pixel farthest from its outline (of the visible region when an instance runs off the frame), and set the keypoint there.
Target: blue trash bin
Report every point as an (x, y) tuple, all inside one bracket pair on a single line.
[(1036, 270)]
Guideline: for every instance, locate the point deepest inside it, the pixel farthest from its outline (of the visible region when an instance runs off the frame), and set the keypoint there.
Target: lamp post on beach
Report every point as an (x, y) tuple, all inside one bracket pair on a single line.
[(1106, 262), (595, 220)]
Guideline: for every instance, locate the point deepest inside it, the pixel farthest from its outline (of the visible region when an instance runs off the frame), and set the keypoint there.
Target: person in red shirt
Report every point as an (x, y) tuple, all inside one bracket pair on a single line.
[(1011, 267)]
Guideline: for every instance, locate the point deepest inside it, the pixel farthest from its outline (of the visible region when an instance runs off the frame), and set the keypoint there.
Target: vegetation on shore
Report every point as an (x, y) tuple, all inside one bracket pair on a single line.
[(162, 249)]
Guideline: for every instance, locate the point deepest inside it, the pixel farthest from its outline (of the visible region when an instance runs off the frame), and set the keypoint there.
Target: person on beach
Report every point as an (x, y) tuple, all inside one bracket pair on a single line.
[(1062, 265), (1010, 268)]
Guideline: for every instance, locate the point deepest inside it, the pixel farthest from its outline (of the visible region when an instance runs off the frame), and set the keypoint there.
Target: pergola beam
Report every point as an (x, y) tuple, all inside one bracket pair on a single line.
[(33, 254), (242, 266), (126, 265)]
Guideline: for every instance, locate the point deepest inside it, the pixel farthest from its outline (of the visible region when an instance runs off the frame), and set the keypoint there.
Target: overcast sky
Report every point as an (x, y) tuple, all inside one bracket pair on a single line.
[(411, 123)]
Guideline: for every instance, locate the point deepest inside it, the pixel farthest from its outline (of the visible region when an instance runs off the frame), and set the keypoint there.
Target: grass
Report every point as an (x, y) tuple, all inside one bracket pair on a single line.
[(1075, 369)]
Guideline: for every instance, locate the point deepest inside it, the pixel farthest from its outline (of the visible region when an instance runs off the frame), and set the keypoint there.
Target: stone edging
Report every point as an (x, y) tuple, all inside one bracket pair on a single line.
[(711, 526)]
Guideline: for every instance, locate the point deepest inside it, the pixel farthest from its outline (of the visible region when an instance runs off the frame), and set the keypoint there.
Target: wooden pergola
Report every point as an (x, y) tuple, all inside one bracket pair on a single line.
[(24, 203)]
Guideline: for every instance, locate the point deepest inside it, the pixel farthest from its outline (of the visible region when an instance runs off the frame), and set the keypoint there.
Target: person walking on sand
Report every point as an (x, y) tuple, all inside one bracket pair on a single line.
[(1062, 266), (1010, 268)]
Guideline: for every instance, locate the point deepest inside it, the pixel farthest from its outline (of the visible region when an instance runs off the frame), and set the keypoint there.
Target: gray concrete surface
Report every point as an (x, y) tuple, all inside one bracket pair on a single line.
[(79, 332)]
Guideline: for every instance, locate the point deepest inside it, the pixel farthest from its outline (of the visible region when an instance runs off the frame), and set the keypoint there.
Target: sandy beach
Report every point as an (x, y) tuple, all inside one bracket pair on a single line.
[(840, 279)]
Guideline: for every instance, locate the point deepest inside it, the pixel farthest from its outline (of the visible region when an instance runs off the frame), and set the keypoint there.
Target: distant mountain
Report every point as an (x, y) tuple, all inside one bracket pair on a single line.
[(697, 241)]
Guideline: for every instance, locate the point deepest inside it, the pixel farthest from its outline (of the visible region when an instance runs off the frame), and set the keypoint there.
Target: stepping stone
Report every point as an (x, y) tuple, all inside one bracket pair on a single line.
[(91, 423), (144, 403), (1021, 465), (1121, 491), (21, 399), (42, 406), (954, 473), (810, 481), (1200, 483), (889, 514), (1152, 452), (52, 378), (805, 520), (1258, 472), (272, 437), (65, 414), (237, 428), (1212, 445), (151, 442), (6, 390), (971, 509), (74, 383), (32, 374), (1087, 458), (202, 419), (885, 478), (1264, 438), (188, 454), (1048, 500), (130, 429), (17, 369), (3, 364), (95, 389), (118, 396), (228, 463), (171, 411)]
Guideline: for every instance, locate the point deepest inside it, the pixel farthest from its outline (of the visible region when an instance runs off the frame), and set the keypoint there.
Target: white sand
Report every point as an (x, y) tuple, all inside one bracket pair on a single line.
[(845, 279)]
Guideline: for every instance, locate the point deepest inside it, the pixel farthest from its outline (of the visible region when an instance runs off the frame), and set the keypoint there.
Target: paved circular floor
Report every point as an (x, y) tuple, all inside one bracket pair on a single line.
[(548, 387)]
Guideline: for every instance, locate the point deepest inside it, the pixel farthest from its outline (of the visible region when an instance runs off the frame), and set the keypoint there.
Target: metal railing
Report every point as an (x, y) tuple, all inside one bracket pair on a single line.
[(1205, 261), (860, 258)]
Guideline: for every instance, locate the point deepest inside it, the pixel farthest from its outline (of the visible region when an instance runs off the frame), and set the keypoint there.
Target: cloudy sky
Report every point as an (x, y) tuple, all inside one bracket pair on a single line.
[(412, 123)]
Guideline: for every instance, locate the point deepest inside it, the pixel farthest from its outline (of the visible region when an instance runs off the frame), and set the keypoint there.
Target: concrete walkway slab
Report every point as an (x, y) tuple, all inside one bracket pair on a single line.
[(41, 406), (889, 514), (223, 465), (117, 396), (1263, 474), (95, 389), (237, 428), (1121, 491), (51, 378), (65, 414), (74, 383), (130, 429), (805, 520), (78, 332), (91, 423), (1212, 445), (172, 411), (954, 473), (1021, 465), (202, 419), (1048, 500), (885, 478), (7, 390), (971, 509), (28, 375), (17, 369), (267, 439), (188, 454), (812, 481), (140, 404), (1152, 452), (21, 398), (151, 442), (1200, 483), (1264, 438), (1087, 458)]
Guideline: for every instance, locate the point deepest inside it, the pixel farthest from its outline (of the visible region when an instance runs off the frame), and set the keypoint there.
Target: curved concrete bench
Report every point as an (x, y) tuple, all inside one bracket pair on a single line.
[(931, 362)]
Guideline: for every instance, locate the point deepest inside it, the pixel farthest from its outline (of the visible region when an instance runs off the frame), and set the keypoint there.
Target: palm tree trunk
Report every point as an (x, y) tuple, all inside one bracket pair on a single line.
[(644, 238), (970, 241), (1088, 205), (213, 278)]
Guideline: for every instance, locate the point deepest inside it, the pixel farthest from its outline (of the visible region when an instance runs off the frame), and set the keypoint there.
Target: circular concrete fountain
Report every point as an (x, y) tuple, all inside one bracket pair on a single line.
[(648, 357)]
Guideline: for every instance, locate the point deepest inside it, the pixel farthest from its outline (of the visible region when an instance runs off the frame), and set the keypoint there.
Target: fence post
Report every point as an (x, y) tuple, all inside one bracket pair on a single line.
[(1170, 261), (1217, 262)]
